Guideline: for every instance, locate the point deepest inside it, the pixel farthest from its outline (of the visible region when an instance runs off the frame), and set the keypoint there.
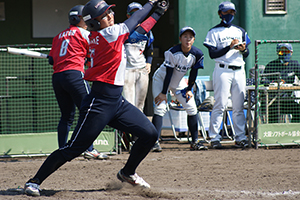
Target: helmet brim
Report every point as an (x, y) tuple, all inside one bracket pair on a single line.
[(104, 9)]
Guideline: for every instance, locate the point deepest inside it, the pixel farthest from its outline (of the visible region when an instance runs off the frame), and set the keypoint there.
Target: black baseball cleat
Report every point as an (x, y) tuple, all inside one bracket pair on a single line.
[(197, 147), (216, 145), (242, 144)]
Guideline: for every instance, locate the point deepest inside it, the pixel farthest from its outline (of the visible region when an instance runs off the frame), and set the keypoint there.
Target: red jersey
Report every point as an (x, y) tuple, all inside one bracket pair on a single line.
[(69, 49), (108, 57)]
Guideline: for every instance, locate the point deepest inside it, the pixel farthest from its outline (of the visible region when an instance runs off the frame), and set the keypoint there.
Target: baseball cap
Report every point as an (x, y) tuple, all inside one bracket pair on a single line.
[(284, 48), (187, 28), (133, 5), (226, 5)]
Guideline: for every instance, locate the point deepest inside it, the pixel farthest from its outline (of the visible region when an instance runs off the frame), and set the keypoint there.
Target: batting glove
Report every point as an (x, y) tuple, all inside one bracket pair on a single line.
[(162, 7)]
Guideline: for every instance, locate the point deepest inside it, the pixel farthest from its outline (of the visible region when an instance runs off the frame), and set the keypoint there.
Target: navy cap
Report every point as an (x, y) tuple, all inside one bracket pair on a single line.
[(187, 28), (226, 5), (133, 5), (284, 45)]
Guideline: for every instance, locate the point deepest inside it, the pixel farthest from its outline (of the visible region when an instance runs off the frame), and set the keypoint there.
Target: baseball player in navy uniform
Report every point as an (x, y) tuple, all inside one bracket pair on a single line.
[(105, 105), (139, 58), (169, 76), (67, 55), (227, 45)]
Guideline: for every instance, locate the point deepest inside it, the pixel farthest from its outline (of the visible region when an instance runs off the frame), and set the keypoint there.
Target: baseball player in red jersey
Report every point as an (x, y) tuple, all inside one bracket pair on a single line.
[(68, 53), (105, 104)]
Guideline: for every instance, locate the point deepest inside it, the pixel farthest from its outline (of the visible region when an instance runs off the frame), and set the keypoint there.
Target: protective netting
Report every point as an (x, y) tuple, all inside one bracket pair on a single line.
[(27, 100), (278, 87)]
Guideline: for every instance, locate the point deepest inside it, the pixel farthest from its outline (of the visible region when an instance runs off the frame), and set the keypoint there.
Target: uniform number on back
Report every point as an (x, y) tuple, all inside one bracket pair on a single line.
[(64, 47)]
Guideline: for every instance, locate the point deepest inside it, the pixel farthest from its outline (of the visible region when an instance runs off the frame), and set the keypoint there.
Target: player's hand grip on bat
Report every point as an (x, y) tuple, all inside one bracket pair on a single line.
[(162, 7)]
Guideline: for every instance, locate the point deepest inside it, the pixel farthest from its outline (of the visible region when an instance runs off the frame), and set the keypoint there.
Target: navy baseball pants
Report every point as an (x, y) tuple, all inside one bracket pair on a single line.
[(104, 105), (70, 88)]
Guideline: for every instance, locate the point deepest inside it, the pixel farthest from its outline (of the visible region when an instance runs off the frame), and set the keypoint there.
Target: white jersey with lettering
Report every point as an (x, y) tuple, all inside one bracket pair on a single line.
[(175, 58), (181, 63), (221, 37)]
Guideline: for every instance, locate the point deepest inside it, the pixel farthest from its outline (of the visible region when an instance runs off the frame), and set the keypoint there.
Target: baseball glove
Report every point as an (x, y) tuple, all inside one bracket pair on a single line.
[(162, 7)]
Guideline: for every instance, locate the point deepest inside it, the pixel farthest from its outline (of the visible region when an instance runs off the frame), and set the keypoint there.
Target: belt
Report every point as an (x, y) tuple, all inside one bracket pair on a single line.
[(233, 67)]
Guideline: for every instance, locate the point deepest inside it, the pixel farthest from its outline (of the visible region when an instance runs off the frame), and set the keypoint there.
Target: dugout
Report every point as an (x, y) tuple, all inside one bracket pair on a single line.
[(274, 94), (255, 16)]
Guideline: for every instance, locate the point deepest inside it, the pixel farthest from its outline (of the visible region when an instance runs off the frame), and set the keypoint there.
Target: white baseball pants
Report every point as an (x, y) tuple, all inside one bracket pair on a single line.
[(157, 86), (136, 87), (225, 82)]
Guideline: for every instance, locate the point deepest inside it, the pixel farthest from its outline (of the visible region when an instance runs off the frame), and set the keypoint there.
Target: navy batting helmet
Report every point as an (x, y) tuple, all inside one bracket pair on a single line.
[(93, 9), (74, 14)]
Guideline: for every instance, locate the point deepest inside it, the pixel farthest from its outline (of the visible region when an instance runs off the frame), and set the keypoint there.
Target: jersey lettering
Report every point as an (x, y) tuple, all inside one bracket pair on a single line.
[(92, 53), (64, 47), (67, 33)]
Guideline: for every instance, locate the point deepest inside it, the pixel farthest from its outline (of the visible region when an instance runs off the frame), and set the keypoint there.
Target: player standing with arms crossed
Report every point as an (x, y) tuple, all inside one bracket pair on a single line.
[(169, 76), (67, 55), (105, 104), (227, 45)]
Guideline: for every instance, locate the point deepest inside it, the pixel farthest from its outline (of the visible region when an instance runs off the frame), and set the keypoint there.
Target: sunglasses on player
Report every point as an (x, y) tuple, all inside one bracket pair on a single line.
[(108, 12), (284, 52)]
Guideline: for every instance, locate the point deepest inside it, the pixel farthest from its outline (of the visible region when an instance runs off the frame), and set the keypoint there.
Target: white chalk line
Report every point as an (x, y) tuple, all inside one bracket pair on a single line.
[(239, 192)]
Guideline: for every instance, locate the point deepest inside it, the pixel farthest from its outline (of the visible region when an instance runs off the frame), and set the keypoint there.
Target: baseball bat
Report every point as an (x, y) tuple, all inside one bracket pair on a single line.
[(25, 52)]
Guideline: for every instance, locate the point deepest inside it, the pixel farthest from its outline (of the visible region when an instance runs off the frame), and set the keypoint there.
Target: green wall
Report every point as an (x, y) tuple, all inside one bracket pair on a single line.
[(202, 15), (17, 27)]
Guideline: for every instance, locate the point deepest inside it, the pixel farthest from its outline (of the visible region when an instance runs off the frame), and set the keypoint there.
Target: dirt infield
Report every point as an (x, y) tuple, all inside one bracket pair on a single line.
[(175, 173)]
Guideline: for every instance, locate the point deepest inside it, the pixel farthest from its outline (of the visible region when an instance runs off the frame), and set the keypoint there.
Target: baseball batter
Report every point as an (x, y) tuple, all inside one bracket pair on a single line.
[(105, 104), (67, 55), (139, 58), (227, 45), (169, 76)]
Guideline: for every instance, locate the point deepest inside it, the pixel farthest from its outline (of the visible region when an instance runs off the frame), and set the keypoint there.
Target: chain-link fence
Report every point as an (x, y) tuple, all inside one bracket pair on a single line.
[(27, 99), (276, 78)]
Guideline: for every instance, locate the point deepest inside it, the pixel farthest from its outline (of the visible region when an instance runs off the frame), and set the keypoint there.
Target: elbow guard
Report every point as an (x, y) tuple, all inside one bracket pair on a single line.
[(136, 37)]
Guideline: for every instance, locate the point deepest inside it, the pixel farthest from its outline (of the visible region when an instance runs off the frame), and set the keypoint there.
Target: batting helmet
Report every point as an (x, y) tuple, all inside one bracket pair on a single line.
[(93, 9), (133, 5), (74, 14)]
